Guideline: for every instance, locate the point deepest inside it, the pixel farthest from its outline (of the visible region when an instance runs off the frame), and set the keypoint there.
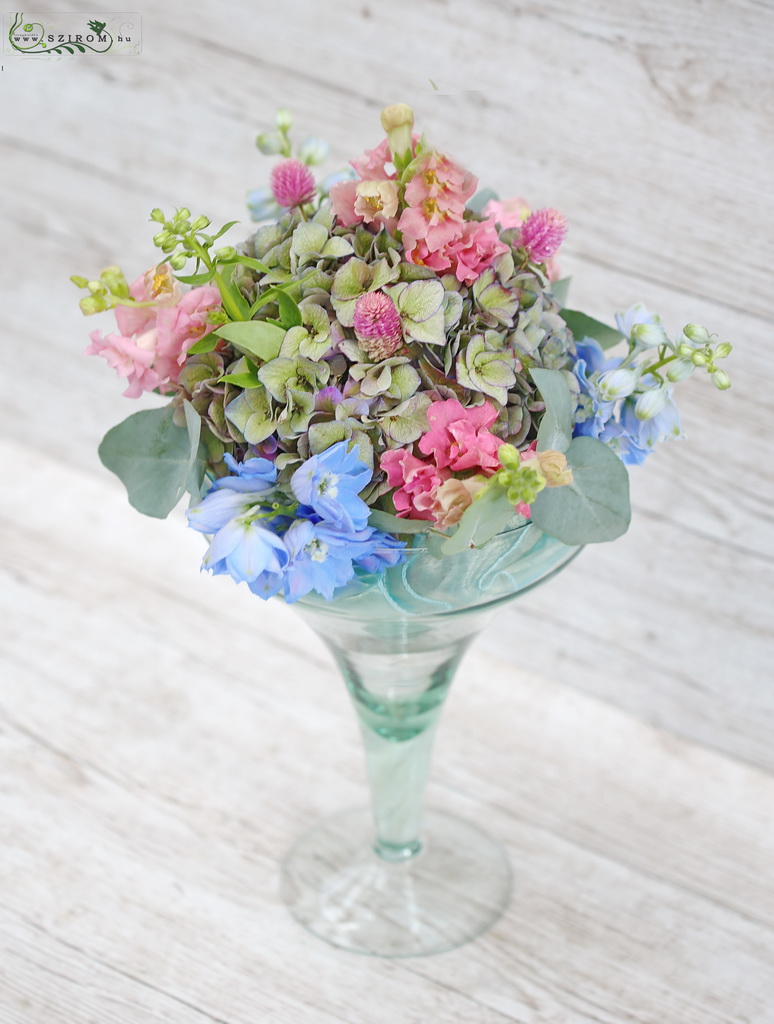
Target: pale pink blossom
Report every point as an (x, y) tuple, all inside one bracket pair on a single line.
[(343, 197), (416, 480), (130, 358), (373, 163), (436, 198), (508, 213), (542, 234), (460, 438), (377, 203), (452, 497), (151, 356), (377, 325), (292, 183), (474, 250), (158, 285)]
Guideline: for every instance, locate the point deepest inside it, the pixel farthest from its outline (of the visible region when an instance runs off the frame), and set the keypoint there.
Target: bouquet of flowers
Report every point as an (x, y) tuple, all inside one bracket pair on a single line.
[(388, 354)]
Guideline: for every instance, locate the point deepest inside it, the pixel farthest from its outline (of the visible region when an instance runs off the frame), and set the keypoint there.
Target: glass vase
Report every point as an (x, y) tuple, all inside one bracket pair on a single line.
[(397, 880)]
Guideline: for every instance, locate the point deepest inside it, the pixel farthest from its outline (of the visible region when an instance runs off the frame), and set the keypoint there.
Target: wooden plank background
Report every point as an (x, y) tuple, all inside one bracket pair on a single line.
[(614, 727)]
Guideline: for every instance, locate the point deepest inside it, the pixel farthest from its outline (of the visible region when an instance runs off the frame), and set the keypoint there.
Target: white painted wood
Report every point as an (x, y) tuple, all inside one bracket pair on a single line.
[(149, 790)]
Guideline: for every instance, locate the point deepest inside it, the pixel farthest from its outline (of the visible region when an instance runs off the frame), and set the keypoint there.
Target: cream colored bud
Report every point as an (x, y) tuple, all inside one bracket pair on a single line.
[(554, 467)]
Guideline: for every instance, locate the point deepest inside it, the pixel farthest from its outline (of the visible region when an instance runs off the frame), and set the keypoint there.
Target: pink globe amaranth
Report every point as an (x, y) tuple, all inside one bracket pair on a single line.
[(292, 183), (378, 325), (542, 234)]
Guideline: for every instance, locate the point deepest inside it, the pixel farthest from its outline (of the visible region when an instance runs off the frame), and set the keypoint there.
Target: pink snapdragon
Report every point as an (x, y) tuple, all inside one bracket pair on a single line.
[(542, 234), (373, 164), (474, 250), (436, 198), (157, 285), (292, 183), (417, 482), (460, 438), (154, 341)]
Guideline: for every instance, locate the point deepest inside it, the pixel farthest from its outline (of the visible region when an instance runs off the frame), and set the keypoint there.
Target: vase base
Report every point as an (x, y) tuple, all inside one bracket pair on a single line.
[(454, 889)]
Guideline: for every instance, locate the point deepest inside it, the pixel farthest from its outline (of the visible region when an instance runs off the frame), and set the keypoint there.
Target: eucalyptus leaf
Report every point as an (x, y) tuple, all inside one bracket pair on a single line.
[(388, 523), (481, 198), (583, 326), (258, 337), (483, 519), (153, 457), (560, 289), (595, 506), (555, 429)]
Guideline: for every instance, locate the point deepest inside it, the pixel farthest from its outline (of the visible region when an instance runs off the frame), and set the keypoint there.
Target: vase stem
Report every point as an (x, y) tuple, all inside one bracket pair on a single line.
[(398, 700)]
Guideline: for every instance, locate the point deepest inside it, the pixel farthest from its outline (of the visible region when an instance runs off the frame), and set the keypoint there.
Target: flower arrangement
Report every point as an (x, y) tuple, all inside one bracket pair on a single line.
[(387, 354)]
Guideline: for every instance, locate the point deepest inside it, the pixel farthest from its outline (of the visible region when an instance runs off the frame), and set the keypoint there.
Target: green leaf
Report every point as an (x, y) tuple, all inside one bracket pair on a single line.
[(555, 429), (245, 261), (583, 326), (388, 523), (242, 380), (206, 344), (483, 519), (153, 457), (224, 229), (258, 337), (290, 314), (595, 506), (559, 289), (196, 279)]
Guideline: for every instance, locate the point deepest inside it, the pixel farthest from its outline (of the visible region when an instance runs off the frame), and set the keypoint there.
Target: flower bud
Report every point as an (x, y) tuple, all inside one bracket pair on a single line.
[(182, 214), (722, 350), (554, 467), (616, 384), (93, 304), (720, 380), (200, 222), (177, 262), (650, 403), (96, 287), (160, 238), (79, 282), (283, 119), (157, 215), (228, 252), (313, 151), (680, 369), (699, 359), (269, 143), (695, 332), (684, 350), (115, 282), (649, 335), (509, 456), (397, 121)]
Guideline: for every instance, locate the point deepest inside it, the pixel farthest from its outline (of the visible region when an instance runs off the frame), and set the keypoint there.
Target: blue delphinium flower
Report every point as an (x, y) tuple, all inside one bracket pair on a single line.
[(594, 407), (233, 511), (383, 552), (329, 484), (262, 205)]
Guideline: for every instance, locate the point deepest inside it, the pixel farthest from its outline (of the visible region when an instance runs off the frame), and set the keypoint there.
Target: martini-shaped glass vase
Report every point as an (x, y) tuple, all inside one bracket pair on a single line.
[(396, 879)]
